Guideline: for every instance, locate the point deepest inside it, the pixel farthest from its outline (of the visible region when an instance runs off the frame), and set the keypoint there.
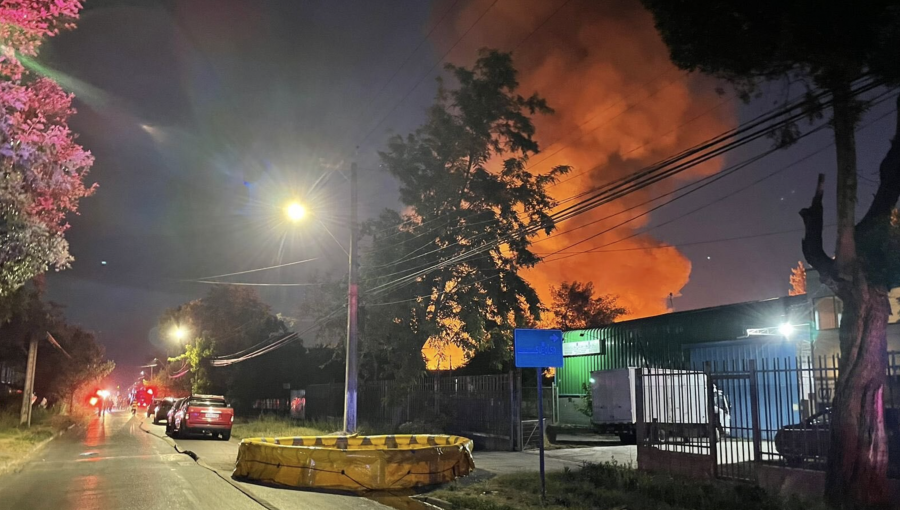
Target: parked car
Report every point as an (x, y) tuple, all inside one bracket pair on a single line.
[(160, 408), (152, 406), (202, 414), (170, 415), (806, 440), (810, 439)]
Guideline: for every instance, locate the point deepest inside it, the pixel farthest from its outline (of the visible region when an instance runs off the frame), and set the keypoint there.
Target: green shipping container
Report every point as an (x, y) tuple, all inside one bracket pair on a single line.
[(657, 341)]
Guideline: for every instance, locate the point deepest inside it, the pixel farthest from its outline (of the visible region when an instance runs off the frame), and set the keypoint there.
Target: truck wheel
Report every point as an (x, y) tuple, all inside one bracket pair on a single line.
[(793, 461), (662, 436), (628, 438)]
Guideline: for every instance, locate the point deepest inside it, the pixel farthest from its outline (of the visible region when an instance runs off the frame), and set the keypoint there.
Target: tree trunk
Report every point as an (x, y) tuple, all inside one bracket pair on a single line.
[(844, 124), (857, 460), (856, 476)]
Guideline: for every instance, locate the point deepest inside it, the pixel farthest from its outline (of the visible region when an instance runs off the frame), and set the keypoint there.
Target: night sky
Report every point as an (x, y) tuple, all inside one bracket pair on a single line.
[(206, 115)]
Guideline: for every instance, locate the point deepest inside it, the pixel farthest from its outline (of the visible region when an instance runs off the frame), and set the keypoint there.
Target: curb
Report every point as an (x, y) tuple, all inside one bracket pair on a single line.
[(433, 502), (171, 442), (14, 466)]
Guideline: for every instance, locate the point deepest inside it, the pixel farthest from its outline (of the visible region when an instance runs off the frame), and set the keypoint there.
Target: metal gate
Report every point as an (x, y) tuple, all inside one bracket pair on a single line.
[(739, 445)]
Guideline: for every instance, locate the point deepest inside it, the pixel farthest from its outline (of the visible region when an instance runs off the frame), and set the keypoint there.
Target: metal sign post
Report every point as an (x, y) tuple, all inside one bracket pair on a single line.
[(539, 348), (540, 382)]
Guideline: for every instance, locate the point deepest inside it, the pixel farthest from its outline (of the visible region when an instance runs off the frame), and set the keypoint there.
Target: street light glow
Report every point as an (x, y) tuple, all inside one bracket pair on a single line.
[(295, 211), (786, 330), (179, 333)]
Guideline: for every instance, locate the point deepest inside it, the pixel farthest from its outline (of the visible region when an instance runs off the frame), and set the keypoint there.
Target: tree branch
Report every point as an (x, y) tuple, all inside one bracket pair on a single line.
[(889, 188), (813, 248)]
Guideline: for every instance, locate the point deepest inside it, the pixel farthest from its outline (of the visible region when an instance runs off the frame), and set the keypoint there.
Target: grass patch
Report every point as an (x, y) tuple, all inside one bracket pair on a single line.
[(16, 441), (611, 487), (276, 426)]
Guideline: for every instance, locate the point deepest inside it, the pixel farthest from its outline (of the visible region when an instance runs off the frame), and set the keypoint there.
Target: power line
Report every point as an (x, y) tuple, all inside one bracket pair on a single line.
[(249, 284), (641, 146), (541, 25), (221, 361), (420, 80), (720, 199), (411, 54), (582, 135), (655, 173), (632, 183), (252, 270), (697, 243)]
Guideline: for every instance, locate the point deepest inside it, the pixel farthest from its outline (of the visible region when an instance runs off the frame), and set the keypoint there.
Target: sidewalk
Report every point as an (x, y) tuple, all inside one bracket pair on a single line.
[(503, 463)]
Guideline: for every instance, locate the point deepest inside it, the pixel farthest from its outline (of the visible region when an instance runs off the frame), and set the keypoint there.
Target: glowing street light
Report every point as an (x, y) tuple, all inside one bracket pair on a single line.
[(295, 211), (786, 330), (179, 333)]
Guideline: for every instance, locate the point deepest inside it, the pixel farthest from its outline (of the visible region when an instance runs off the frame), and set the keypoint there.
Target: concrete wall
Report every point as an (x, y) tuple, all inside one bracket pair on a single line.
[(803, 483), (692, 465)]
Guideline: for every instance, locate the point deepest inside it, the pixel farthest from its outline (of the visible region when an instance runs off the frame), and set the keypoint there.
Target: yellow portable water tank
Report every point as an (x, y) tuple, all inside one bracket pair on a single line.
[(355, 463)]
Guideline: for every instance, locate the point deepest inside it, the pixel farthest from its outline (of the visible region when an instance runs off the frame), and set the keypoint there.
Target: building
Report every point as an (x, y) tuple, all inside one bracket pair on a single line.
[(776, 332)]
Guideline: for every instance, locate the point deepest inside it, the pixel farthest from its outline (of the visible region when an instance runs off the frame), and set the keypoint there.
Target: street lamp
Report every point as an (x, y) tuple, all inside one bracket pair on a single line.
[(178, 333), (295, 212)]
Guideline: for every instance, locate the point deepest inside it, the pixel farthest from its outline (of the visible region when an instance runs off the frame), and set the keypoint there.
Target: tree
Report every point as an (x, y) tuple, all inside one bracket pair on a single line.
[(233, 317), (58, 375), (575, 307), (197, 354), (827, 46), (42, 169), (67, 376), (228, 320), (798, 280), (448, 269)]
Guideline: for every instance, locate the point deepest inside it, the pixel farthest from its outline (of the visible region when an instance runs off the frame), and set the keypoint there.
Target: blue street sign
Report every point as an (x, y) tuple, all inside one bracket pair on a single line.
[(538, 348)]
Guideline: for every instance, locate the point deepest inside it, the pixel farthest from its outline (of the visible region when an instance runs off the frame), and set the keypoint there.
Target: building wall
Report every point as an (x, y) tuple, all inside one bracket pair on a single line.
[(659, 340), (828, 343), (569, 413)]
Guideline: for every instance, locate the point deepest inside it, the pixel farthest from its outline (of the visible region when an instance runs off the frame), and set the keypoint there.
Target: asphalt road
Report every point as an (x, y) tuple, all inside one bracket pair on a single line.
[(116, 464)]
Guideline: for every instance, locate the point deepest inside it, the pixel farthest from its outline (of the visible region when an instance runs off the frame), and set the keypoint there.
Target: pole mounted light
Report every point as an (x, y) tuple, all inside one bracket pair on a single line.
[(178, 332), (295, 212)]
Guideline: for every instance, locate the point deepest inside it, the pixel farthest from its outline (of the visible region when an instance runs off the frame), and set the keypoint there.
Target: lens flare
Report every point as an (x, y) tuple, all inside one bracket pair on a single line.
[(295, 211)]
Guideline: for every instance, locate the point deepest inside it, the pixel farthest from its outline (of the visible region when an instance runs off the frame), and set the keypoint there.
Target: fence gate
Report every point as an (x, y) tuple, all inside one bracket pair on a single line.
[(735, 389)]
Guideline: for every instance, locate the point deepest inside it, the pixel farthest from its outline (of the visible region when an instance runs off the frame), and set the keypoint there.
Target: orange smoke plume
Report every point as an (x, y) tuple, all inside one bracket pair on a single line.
[(620, 106)]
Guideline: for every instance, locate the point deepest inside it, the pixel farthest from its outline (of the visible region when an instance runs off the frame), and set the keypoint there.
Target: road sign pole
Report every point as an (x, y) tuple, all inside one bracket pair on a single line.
[(541, 429), (539, 348)]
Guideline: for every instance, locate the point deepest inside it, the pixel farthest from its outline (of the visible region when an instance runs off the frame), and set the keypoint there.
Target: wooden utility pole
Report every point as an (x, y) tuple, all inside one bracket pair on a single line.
[(25, 417)]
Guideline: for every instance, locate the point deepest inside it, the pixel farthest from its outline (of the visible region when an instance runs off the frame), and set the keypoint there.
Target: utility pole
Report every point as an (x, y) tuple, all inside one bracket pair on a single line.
[(25, 417), (350, 389)]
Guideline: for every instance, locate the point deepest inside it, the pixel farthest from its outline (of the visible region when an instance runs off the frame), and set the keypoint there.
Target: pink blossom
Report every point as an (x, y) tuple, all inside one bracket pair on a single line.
[(44, 167)]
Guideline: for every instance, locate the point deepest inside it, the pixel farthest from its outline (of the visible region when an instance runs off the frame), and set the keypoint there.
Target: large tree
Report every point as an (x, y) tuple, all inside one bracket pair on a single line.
[(61, 371), (447, 270), (42, 169), (574, 306), (233, 317), (828, 45), (229, 319)]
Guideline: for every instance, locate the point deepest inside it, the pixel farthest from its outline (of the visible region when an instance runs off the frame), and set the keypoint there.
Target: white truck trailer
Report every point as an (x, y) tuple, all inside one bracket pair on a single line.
[(674, 404)]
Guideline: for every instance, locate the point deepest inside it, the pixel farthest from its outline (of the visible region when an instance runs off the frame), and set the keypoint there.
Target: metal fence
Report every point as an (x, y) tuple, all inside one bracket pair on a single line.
[(738, 414), (484, 408)]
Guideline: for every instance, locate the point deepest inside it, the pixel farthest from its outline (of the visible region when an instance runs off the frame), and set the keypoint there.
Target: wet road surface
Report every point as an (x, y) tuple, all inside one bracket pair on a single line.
[(115, 464)]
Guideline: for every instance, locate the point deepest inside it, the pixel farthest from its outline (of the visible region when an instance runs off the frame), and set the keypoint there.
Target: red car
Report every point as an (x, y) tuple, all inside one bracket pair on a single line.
[(201, 414)]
